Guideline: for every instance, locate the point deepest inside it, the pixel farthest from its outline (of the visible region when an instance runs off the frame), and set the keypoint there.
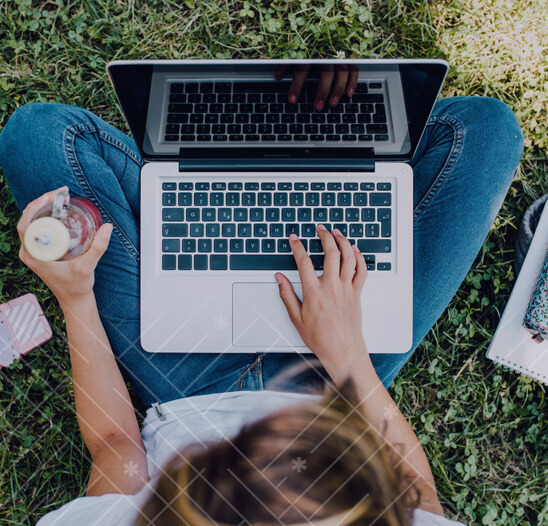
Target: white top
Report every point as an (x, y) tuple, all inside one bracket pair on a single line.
[(199, 419)]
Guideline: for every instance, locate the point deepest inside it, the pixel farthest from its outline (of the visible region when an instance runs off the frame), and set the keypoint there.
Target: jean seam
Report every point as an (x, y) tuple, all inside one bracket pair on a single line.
[(258, 363), (71, 132), (241, 377), (260, 371), (254, 368), (454, 153)]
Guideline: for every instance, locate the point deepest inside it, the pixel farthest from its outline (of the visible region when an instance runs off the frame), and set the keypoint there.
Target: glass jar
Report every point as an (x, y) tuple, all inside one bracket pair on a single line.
[(64, 229)]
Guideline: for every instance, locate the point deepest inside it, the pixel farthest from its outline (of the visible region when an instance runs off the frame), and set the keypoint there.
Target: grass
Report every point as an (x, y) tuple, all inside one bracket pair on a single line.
[(483, 427)]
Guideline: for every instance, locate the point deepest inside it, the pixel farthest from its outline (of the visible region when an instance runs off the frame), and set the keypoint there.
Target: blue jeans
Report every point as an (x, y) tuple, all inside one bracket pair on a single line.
[(462, 170)]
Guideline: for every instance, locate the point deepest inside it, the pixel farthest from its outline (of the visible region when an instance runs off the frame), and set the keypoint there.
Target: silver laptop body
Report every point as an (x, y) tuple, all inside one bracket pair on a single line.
[(231, 169)]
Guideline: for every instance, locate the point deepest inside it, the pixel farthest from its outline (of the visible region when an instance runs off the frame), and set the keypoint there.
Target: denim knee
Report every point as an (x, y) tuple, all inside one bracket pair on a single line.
[(20, 130), (33, 129), (485, 119), (490, 138), (32, 156), (25, 133)]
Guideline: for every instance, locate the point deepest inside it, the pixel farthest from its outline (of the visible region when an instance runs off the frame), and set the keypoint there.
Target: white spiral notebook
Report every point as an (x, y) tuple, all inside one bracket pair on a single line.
[(512, 345)]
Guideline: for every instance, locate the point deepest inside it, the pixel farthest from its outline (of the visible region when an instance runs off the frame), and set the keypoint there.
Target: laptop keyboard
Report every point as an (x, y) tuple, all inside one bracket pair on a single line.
[(245, 226), (251, 112)]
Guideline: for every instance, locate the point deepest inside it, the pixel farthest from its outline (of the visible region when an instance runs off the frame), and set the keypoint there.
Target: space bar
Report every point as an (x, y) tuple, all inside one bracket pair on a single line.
[(270, 262)]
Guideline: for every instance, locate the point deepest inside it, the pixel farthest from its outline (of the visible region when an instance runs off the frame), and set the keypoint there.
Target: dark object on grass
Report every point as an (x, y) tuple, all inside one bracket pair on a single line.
[(527, 230)]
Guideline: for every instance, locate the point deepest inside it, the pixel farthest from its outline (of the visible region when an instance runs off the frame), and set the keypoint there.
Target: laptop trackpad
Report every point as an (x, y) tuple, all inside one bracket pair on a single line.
[(259, 317)]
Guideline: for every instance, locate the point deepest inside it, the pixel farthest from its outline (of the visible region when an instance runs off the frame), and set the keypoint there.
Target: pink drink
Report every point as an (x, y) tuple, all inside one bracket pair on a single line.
[(63, 229)]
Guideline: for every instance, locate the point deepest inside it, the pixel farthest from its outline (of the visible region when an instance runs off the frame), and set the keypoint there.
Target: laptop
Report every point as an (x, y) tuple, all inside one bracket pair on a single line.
[(231, 169)]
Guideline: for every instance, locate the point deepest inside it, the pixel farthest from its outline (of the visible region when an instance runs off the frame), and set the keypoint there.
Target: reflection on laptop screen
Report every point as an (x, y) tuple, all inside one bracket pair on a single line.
[(238, 108)]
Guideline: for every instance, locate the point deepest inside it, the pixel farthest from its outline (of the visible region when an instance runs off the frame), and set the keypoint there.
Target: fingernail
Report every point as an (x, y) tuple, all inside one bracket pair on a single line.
[(292, 237), (334, 101), (278, 278), (337, 231), (292, 99), (350, 92), (319, 105), (321, 227), (356, 249)]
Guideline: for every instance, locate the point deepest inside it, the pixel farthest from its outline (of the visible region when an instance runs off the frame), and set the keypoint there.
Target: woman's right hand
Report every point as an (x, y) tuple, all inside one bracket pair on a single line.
[(70, 280), (329, 319)]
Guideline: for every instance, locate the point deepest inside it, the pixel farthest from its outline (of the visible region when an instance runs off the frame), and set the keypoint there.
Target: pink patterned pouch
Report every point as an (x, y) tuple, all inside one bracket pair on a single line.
[(536, 315), (23, 327)]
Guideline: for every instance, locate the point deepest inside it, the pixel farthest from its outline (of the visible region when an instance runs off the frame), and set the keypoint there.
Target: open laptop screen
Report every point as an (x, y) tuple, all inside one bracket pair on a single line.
[(227, 109)]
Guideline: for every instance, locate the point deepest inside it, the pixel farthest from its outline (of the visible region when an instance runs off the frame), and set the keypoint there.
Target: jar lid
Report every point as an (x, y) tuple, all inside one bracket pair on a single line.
[(47, 239)]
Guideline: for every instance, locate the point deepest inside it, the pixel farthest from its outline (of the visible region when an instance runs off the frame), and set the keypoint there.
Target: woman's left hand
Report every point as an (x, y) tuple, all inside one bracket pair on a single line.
[(329, 317), (69, 280)]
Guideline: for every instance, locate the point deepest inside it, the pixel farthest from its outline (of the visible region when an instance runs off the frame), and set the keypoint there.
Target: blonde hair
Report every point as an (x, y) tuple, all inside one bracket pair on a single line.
[(317, 463)]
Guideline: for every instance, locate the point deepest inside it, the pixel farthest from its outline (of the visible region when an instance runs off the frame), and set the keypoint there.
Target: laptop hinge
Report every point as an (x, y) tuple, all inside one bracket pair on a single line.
[(278, 165)]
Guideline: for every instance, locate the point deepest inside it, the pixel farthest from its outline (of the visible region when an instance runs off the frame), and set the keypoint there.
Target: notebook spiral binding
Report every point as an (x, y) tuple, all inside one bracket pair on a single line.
[(512, 366)]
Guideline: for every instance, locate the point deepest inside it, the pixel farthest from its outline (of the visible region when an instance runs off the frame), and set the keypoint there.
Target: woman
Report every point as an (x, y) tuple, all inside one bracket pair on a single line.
[(217, 447)]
